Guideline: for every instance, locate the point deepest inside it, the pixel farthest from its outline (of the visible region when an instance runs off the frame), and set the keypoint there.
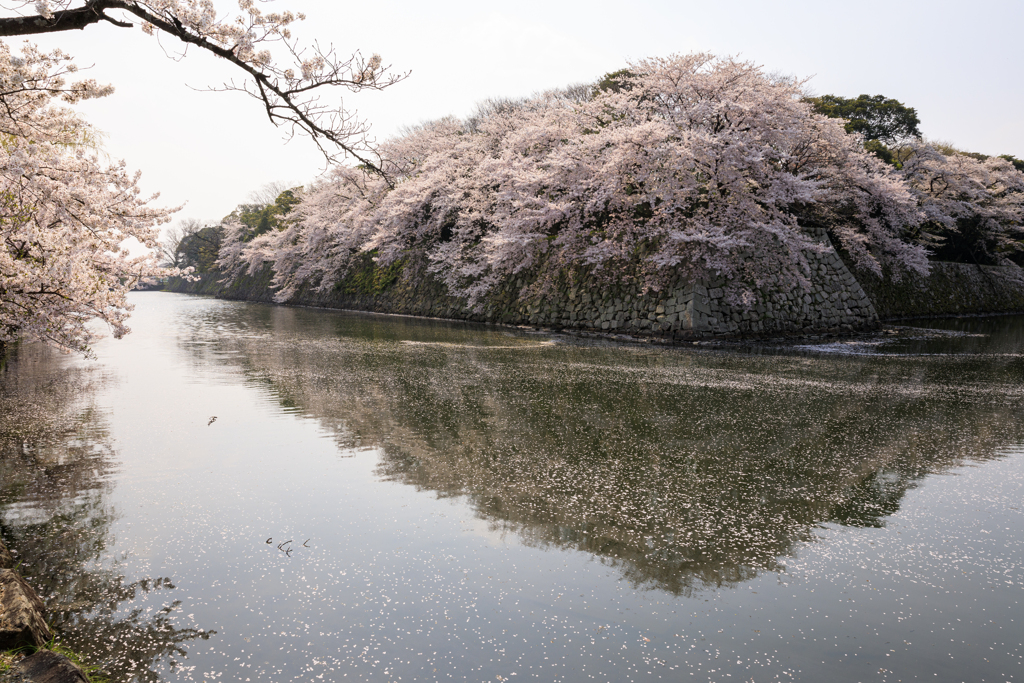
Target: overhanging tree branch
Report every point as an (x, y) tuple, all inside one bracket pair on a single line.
[(289, 90), (63, 20)]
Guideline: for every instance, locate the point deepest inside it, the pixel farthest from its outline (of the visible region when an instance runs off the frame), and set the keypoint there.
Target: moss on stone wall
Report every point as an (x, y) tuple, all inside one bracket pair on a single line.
[(369, 278)]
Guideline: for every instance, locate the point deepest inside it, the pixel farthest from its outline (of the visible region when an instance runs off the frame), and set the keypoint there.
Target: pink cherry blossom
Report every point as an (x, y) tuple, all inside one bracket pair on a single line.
[(64, 214), (699, 168)]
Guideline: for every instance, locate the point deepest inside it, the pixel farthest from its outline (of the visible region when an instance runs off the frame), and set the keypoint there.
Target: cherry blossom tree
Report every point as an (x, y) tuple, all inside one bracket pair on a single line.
[(691, 166), (64, 214), (974, 207), (286, 78)]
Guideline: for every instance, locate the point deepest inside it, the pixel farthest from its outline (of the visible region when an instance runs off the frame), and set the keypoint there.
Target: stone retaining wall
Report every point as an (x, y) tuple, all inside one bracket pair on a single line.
[(950, 289), (833, 301)]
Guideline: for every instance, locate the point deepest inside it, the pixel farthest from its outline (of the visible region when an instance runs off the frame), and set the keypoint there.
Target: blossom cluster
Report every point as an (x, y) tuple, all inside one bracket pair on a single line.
[(64, 214), (976, 203)]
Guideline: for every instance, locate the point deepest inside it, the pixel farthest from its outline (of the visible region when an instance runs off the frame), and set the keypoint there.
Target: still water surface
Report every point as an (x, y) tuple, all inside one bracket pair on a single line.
[(391, 499)]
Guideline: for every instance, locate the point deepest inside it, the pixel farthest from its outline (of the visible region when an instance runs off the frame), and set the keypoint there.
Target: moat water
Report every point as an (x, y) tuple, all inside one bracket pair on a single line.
[(241, 492)]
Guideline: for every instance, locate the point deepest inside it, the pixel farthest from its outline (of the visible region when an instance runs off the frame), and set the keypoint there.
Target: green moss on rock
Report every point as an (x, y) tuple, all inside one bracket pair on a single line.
[(369, 278)]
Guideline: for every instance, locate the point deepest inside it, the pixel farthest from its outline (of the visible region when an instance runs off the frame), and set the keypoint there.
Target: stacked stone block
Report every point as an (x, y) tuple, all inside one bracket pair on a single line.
[(833, 300)]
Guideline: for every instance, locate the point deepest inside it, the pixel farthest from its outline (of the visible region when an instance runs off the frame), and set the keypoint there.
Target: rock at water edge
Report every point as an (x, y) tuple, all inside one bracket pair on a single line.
[(22, 620), (6, 560), (50, 667)]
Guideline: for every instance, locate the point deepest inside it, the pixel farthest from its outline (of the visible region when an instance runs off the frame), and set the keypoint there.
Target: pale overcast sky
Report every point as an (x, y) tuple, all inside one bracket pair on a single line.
[(959, 64)]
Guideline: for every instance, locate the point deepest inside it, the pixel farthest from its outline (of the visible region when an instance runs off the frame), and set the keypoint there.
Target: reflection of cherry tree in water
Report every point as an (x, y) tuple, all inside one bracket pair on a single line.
[(677, 521), (679, 475), (55, 455)]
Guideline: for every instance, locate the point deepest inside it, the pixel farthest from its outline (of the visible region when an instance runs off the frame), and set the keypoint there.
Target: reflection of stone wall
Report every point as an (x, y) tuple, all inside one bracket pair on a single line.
[(833, 301)]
